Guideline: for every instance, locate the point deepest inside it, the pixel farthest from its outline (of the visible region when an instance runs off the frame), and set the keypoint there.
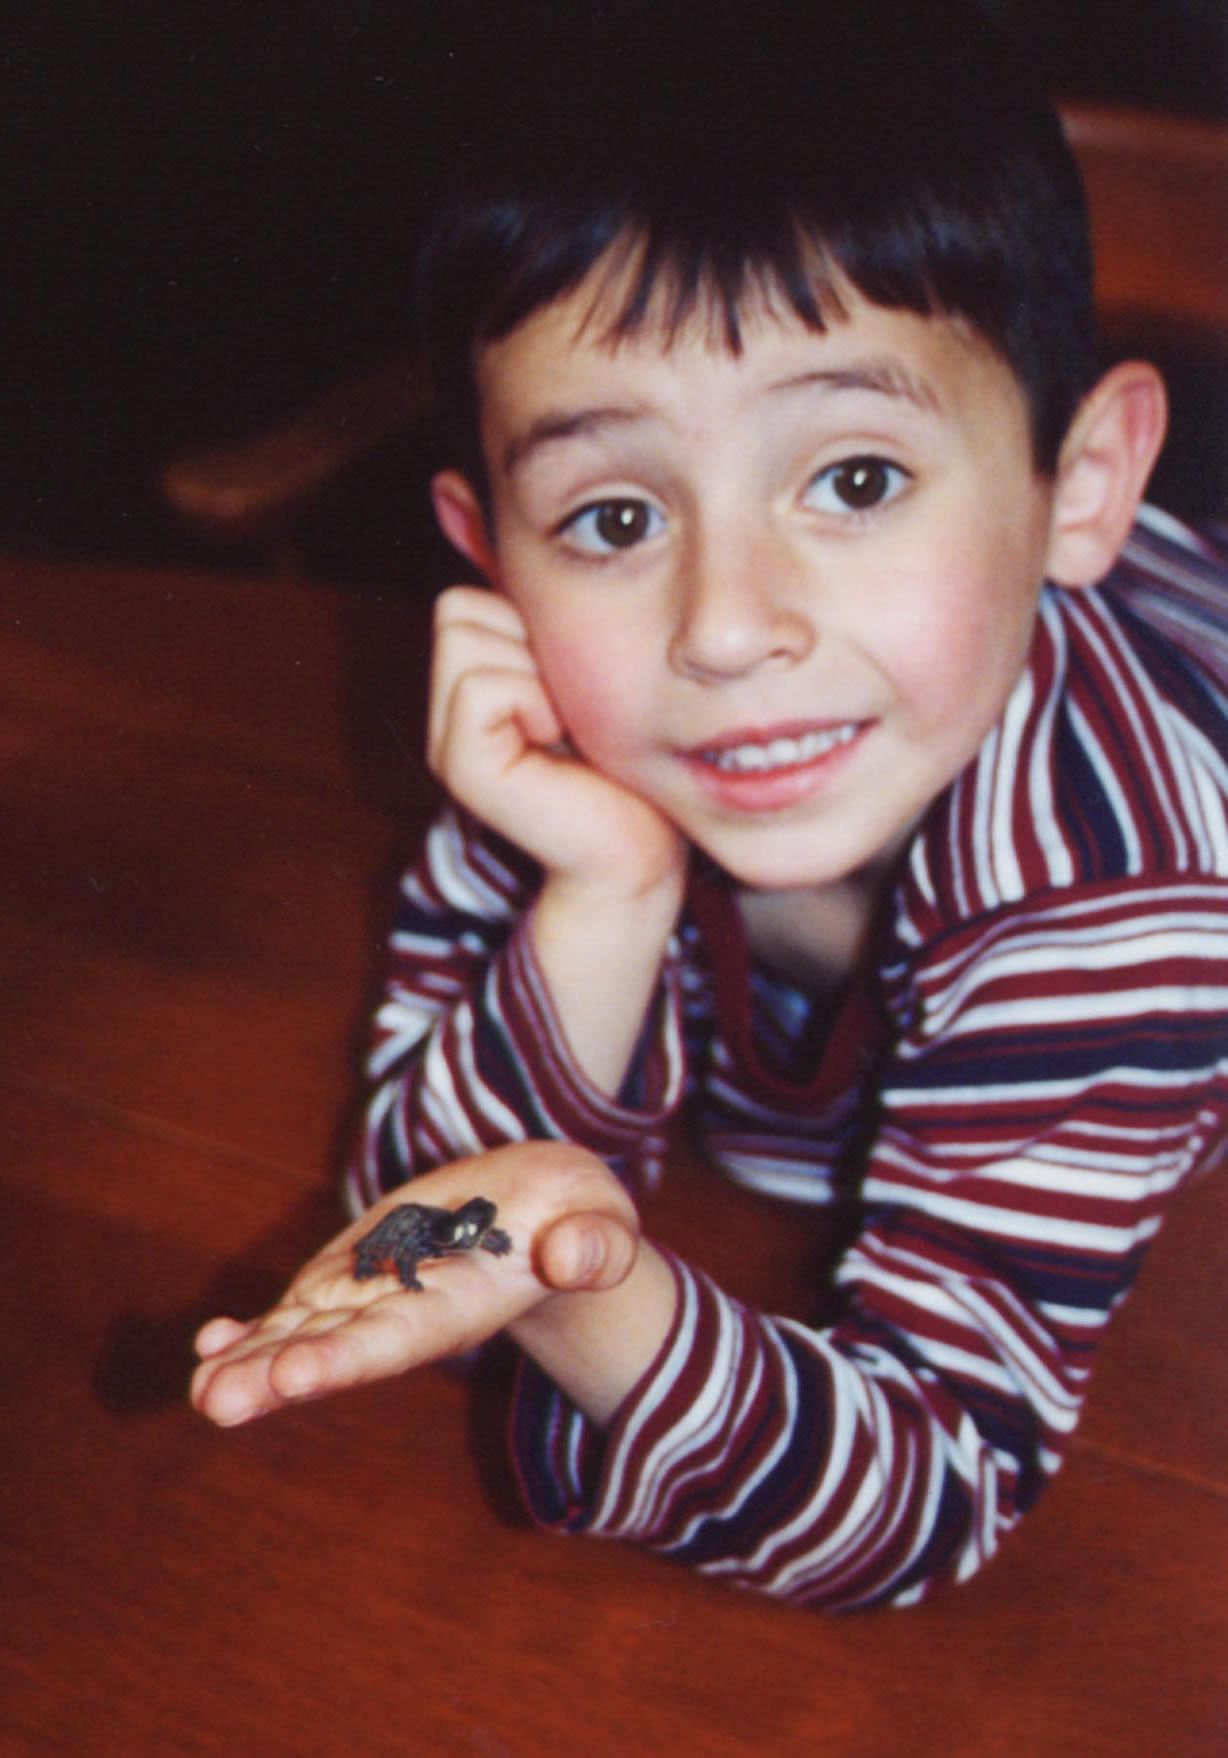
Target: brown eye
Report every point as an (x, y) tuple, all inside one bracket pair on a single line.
[(621, 523), (862, 482), (606, 526), (856, 485)]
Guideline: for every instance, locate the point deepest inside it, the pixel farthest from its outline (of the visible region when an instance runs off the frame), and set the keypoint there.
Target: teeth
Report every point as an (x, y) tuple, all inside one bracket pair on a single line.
[(781, 753)]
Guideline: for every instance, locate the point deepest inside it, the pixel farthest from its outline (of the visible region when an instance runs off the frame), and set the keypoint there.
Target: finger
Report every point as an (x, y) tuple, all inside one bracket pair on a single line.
[(246, 1379), (463, 650), (586, 1251), (480, 607), (491, 720), (471, 623), (219, 1334), (229, 1392), (458, 636), (235, 1357), (374, 1344)]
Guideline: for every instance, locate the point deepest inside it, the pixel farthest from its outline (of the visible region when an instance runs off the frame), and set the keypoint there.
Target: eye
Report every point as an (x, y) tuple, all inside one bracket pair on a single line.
[(607, 526), (856, 485)]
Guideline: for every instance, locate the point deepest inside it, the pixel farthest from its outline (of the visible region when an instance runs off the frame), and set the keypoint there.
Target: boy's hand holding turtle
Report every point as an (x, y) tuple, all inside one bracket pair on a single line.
[(573, 1230)]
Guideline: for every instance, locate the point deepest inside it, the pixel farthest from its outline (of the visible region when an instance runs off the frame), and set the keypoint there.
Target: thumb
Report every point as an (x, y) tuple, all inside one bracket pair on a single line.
[(586, 1251)]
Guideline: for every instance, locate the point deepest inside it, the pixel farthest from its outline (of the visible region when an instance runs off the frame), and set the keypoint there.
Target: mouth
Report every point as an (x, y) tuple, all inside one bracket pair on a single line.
[(746, 755), (772, 769)]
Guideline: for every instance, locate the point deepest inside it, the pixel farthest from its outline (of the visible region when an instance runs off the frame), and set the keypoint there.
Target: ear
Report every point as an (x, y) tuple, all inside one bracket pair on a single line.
[(461, 518), (1105, 462)]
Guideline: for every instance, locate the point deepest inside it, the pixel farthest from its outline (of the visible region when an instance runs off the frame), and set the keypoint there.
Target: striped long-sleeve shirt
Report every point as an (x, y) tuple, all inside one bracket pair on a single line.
[(1035, 1058)]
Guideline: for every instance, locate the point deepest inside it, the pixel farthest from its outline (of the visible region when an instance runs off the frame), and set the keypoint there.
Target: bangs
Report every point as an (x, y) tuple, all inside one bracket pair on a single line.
[(660, 282), (777, 158)]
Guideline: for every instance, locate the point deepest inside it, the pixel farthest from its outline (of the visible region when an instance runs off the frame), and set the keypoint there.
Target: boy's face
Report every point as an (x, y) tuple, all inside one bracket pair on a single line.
[(783, 595)]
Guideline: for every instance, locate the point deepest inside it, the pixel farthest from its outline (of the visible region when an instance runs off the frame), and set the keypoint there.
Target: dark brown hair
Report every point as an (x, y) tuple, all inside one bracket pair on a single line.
[(779, 144)]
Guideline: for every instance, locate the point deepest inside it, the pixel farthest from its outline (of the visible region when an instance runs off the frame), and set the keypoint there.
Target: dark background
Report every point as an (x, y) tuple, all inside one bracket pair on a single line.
[(209, 213)]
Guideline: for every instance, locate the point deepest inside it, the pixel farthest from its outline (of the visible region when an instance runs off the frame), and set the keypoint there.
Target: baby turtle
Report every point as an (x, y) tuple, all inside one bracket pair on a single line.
[(414, 1231)]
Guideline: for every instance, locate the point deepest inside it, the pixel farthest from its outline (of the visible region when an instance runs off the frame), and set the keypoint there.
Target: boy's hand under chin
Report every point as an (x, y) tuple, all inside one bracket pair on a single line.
[(614, 869), (572, 1226), (497, 745)]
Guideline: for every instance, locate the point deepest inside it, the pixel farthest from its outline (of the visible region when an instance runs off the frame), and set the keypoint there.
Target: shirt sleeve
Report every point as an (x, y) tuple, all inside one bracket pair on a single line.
[(1060, 1072), (468, 1052)]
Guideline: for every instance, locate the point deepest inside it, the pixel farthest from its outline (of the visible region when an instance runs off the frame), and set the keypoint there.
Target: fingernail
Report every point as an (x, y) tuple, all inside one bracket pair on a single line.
[(589, 1256)]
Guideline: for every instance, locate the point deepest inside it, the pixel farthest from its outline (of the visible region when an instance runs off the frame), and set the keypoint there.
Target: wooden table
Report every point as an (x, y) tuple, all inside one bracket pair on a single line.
[(207, 785)]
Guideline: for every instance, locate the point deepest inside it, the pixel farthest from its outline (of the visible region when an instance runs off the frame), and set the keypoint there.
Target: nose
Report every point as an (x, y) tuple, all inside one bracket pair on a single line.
[(739, 609)]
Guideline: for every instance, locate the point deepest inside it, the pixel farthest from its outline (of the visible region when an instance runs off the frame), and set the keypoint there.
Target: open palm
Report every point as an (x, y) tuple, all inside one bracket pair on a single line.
[(330, 1332)]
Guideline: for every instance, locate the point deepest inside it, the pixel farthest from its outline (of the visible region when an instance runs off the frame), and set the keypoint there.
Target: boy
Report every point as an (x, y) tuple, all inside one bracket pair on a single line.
[(804, 769)]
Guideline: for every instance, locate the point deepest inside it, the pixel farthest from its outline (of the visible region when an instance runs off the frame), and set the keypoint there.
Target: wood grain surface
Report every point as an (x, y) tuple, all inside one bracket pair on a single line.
[(206, 786)]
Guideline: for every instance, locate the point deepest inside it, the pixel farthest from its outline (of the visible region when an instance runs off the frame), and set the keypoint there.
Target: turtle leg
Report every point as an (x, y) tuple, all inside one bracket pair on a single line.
[(497, 1242), (401, 1264), (406, 1267)]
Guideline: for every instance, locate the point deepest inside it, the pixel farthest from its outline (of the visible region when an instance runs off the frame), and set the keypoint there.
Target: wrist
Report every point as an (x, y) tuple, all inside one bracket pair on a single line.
[(598, 1344), (647, 892), (600, 951)]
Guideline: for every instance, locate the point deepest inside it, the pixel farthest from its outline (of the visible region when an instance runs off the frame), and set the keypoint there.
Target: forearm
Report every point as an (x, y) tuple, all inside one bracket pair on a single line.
[(867, 1461), (767, 1455), (469, 1048), (497, 1067), (600, 950)]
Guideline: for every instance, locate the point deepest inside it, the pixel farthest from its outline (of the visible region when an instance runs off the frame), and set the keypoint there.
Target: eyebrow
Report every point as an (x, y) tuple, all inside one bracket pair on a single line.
[(883, 377), (561, 425)]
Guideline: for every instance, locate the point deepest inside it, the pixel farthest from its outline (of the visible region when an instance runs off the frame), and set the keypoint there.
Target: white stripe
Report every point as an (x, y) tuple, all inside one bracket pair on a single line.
[(574, 1447), (1057, 855), (1107, 777), (948, 1357), (982, 819), (1008, 875), (1138, 922), (401, 1029), (1094, 1236), (1152, 943), (1037, 1171), (845, 1399), (426, 946), (481, 1097), (1204, 905), (1107, 639), (1164, 525), (458, 882), (731, 1425), (799, 1180), (1074, 1318), (952, 1161), (1161, 998), (988, 1094), (641, 1409), (1017, 1365)]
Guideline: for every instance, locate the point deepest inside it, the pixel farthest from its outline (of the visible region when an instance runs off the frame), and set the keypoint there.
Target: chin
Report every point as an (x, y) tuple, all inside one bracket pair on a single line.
[(763, 872), (799, 863)]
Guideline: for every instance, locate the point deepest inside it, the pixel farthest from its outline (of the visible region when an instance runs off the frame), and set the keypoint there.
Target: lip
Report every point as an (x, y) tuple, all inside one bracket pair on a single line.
[(765, 769)]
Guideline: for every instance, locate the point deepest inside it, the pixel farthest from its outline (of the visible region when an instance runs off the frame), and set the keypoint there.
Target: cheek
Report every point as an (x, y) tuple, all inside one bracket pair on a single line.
[(952, 664), (593, 682), (954, 641)]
